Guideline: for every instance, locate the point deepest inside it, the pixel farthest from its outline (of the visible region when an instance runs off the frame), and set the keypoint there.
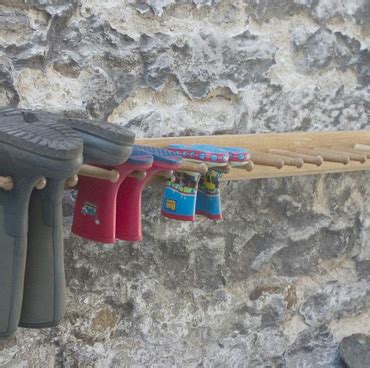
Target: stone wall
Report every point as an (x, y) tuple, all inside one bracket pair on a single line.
[(285, 277)]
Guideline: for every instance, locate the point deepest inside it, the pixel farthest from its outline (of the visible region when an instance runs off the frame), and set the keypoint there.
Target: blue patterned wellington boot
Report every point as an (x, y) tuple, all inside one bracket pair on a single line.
[(182, 194)]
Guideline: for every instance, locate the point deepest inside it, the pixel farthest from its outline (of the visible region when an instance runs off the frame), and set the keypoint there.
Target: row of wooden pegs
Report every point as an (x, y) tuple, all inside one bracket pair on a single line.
[(7, 183), (311, 155), (187, 166), (277, 158)]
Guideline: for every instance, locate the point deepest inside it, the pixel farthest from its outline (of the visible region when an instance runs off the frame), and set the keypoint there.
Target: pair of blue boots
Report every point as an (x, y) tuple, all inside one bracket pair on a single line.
[(189, 193)]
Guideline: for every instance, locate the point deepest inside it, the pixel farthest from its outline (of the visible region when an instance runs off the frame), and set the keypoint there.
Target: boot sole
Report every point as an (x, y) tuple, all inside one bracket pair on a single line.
[(50, 140), (27, 151), (104, 143)]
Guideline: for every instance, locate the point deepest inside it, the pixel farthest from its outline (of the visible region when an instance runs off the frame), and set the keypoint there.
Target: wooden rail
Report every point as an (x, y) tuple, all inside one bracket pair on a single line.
[(308, 144), (273, 155)]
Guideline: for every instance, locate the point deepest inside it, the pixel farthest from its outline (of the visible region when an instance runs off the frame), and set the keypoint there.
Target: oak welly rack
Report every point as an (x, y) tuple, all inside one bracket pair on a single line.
[(281, 154), (272, 155)]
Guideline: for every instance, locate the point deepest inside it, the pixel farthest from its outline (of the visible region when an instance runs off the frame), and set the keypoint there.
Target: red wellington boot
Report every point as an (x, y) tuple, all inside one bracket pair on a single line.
[(95, 210), (129, 195)]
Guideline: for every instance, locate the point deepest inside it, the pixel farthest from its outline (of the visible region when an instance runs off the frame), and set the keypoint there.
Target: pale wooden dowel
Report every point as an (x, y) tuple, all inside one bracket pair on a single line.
[(200, 168), (335, 150), (41, 184), (249, 166), (291, 161), (307, 159), (99, 173), (71, 182), (352, 156), (267, 159), (224, 169), (327, 156), (157, 180), (6, 183), (165, 174), (362, 147), (139, 175), (352, 150)]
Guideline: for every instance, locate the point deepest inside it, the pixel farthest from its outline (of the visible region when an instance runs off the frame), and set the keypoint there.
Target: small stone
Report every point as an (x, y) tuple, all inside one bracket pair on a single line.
[(336, 301), (355, 351), (104, 319)]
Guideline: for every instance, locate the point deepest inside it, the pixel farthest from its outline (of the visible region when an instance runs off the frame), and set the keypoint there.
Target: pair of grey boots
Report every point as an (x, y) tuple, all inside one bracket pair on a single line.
[(36, 144)]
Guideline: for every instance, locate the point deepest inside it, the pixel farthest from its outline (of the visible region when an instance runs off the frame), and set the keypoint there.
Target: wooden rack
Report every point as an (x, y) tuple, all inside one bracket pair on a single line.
[(273, 155), (320, 146)]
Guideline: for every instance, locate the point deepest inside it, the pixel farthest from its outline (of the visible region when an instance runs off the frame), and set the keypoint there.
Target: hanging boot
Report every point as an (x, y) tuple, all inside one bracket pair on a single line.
[(96, 209), (209, 196), (28, 152), (181, 192), (103, 144), (180, 195), (129, 195)]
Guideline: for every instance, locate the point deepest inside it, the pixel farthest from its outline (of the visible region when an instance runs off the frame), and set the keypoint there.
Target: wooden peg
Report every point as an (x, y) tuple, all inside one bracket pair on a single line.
[(99, 173), (352, 156), (165, 174), (224, 169), (41, 184), (308, 159), (156, 180), (351, 150), (139, 175), (72, 181), (201, 168), (249, 166), (6, 183), (327, 156), (291, 161), (267, 159), (362, 147)]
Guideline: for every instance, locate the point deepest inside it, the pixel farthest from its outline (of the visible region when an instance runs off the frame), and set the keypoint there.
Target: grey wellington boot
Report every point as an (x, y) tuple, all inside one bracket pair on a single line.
[(27, 152), (105, 144)]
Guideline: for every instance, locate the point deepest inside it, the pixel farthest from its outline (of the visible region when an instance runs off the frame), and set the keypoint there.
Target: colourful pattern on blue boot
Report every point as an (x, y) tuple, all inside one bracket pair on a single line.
[(180, 196), (200, 152), (238, 156), (209, 196)]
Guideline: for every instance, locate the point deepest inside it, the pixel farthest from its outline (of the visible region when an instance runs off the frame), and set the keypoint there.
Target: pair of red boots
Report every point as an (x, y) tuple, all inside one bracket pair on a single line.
[(107, 211)]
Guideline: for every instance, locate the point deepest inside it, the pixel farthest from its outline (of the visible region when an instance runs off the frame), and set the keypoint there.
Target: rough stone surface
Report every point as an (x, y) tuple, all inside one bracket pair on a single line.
[(355, 351), (285, 277)]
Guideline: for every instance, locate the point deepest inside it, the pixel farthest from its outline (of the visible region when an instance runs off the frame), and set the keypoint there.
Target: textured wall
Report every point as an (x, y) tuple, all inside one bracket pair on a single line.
[(285, 276)]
